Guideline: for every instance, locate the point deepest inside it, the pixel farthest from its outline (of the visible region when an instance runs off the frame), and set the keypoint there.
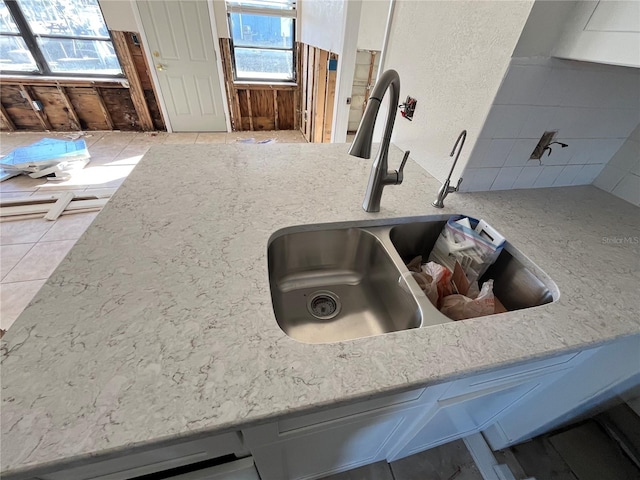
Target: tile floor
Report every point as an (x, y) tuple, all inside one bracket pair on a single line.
[(32, 249)]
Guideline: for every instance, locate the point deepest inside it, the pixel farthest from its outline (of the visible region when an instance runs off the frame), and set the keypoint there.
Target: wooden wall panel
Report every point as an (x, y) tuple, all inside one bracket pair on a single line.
[(71, 105), (259, 106), (18, 109), (318, 92), (120, 106), (87, 106), (286, 110)]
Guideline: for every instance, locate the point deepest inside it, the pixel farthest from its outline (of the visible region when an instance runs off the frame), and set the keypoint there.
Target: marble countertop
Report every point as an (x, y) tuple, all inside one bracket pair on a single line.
[(158, 324)]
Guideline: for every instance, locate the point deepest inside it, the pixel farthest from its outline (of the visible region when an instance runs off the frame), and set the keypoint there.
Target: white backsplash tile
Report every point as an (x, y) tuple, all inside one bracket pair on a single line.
[(506, 178), (527, 177), (548, 176), (609, 178), (497, 152), (594, 108), (628, 189), (520, 154), (567, 175), (588, 174)]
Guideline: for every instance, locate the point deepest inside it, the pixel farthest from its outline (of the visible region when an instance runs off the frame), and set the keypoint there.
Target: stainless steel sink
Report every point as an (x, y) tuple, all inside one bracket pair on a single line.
[(517, 281), (338, 284)]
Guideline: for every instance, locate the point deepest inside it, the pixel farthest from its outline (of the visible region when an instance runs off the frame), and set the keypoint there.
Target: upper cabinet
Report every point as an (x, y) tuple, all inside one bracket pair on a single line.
[(603, 32)]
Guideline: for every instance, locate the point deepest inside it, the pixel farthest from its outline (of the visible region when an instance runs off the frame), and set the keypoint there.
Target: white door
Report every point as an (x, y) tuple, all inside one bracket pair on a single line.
[(181, 43)]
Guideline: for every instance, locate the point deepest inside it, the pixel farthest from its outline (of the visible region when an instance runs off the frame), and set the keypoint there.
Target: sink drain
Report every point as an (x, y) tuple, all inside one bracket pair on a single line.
[(324, 305)]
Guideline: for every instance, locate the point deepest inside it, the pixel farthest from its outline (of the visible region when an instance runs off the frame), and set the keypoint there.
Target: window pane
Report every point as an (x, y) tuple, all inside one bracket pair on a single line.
[(261, 31), (79, 18), (79, 56), (14, 55), (271, 4), (252, 63), (7, 24)]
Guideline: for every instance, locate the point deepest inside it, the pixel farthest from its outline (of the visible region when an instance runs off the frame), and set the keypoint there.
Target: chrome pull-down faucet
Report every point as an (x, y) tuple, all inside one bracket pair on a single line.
[(446, 189), (361, 146)]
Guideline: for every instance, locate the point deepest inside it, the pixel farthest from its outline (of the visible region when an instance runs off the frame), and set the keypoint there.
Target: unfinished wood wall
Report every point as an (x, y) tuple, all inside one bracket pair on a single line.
[(318, 74), (255, 106), (70, 105)]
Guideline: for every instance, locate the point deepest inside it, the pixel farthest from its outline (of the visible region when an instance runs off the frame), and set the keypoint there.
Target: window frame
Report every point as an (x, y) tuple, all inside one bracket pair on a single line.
[(43, 69), (292, 13)]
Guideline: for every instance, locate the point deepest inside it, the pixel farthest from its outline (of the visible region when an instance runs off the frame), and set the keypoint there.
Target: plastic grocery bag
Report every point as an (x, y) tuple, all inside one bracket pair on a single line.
[(460, 307), (433, 279)]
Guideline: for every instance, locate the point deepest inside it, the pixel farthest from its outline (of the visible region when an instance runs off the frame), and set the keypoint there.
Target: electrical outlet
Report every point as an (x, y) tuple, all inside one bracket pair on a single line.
[(545, 140)]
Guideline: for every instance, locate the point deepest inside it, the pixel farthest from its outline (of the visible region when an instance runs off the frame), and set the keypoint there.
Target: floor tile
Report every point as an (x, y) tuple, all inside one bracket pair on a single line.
[(215, 137), (14, 297), (21, 183), (23, 231), (40, 261), (115, 138), (374, 471), (69, 227), (10, 255), (592, 455), (451, 460), (540, 460), (10, 195), (149, 138), (181, 138)]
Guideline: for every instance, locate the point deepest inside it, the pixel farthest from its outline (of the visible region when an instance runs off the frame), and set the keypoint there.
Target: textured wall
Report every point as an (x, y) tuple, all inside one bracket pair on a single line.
[(321, 24), (373, 23), (451, 56), (118, 15)]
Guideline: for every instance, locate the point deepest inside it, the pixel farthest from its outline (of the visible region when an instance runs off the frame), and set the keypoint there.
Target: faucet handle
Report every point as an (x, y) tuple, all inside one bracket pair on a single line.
[(458, 185), (399, 174)]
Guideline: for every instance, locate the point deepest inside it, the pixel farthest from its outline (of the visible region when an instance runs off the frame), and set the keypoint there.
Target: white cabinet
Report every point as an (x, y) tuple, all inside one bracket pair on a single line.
[(124, 467), (339, 439), (317, 445), (602, 374)]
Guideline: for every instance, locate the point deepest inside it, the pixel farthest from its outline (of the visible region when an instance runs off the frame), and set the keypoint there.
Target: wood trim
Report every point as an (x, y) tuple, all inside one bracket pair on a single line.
[(6, 119), (330, 97), (250, 110), (320, 92), (367, 90), (103, 108), (135, 87), (71, 112), (309, 90), (275, 109), (42, 117)]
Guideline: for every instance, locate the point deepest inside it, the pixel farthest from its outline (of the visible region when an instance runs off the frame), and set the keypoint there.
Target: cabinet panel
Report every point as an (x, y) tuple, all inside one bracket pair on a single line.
[(339, 449), (157, 460), (453, 420)]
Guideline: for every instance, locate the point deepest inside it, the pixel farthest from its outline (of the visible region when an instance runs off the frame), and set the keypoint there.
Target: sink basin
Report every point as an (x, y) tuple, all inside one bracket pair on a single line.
[(338, 284), (517, 281), (331, 283)]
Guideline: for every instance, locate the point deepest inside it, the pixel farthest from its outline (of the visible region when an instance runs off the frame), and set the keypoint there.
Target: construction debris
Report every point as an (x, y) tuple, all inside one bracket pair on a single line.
[(51, 207), (49, 157)]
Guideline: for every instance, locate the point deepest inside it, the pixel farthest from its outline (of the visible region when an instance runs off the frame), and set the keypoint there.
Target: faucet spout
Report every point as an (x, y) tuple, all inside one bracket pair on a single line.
[(361, 147), (446, 189)]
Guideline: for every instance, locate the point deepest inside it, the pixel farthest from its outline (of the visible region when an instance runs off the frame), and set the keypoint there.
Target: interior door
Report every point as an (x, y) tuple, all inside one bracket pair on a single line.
[(181, 43)]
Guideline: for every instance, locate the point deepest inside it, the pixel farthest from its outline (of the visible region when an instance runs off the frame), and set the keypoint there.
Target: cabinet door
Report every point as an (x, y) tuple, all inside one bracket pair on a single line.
[(331, 447), (455, 418)]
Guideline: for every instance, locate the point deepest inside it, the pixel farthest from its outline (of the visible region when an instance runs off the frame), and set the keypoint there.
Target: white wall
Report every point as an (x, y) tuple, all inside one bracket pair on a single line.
[(373, 22), (593, 107), (451, 56), (321, 23), (118, 15), (621, 176)]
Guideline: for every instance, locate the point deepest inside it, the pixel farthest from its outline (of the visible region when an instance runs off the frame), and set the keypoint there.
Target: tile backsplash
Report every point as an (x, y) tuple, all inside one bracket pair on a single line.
[(621, 176), (593, 107)]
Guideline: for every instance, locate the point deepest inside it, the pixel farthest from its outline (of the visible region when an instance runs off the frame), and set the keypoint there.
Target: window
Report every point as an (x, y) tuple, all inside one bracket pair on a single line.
[(263, 39), (55, 37)]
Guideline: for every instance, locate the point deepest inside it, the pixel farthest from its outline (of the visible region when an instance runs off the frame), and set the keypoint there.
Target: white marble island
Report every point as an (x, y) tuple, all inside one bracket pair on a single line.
[(159, 325)]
